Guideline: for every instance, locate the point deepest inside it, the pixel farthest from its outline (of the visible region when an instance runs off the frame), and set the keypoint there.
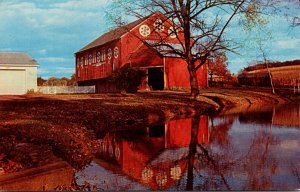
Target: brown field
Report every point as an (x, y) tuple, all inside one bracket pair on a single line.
[(285, 76)]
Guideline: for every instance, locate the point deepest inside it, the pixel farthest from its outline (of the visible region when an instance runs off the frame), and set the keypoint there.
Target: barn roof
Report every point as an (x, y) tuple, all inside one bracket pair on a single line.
[(113, 35), (166, 49), (16, 58)]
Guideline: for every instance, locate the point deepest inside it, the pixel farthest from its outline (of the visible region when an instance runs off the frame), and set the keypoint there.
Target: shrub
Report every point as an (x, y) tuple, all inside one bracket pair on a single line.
[(128, 79), (30, 91)]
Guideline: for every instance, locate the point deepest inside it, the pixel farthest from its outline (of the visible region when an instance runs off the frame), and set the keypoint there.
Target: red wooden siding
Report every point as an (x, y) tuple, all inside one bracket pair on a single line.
[(96, 63), (179, 132), (177, 75)]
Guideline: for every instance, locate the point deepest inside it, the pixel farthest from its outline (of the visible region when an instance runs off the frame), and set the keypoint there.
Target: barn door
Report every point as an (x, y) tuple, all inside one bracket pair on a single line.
[(156, 78)]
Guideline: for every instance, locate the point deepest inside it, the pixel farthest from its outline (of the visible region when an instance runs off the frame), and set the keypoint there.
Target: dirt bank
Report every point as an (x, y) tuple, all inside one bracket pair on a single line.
[(244, 97)]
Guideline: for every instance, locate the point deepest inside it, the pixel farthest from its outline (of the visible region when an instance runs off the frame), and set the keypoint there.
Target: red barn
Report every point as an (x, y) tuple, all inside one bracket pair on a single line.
[(131, 44)]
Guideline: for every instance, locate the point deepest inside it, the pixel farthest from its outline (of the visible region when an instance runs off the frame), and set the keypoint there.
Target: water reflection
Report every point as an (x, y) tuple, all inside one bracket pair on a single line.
[(251, 150), (245, 151)]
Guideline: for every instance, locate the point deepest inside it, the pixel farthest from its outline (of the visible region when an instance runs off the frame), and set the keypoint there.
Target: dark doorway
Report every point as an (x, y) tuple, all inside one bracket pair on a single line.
[(157, 131), (156, 78)]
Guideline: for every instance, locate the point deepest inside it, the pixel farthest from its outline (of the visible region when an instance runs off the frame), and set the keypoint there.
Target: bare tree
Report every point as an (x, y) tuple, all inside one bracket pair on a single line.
[(266, 62), (201, 23)]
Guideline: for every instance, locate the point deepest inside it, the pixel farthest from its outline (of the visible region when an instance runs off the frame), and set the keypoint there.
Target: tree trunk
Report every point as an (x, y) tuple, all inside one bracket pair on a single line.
[(193, 80), (271, 79), (211, 80), (267, 65)]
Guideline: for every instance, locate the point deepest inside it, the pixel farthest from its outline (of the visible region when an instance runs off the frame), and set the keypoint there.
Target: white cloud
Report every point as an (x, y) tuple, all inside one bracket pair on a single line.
[(57, 15), (6, 49), (81, 5), (288, 43), (42, 51), (52, 59), (55, 72)]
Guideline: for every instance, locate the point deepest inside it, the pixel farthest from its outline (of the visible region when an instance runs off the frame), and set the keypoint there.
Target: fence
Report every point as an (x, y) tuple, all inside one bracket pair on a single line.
[(66, 89)]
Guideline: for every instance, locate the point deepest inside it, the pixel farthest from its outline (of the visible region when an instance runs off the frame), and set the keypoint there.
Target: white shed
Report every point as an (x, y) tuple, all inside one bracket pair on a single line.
[(18, 73)]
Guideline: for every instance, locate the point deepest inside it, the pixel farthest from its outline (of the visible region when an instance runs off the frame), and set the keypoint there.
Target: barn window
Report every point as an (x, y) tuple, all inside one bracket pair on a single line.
[(103, 55), (90, 59), (81, 61), (109, 53), (78, 62), (116, 52), (86, 60), (94, 58), (98, 57)]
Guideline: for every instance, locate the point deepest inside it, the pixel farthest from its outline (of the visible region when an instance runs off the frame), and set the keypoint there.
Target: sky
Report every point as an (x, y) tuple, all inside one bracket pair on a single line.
[(51, 31)]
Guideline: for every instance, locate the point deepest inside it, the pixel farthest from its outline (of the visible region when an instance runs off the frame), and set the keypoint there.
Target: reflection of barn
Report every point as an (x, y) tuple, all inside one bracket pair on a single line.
[(132, 45), (159, 159)]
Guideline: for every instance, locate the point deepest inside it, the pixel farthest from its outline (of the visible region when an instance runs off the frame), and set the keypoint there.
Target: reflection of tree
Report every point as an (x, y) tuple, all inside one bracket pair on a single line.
[(192, 152), (259, 164), (295, 171), (204, 158), (214, 167), (218, 164)]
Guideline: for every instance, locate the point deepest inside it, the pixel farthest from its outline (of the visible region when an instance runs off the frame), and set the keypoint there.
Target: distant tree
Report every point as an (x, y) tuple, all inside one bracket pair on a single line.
[(72, 81), (54, 81), (64, 81), (41, 81), (218, 66)]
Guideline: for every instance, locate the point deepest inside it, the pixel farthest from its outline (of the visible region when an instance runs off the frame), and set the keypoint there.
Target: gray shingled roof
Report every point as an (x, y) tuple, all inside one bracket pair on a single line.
[(113, 35), (16, 58)]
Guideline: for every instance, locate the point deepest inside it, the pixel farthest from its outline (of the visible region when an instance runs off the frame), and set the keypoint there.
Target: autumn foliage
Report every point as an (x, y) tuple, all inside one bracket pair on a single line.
[(217, 69)]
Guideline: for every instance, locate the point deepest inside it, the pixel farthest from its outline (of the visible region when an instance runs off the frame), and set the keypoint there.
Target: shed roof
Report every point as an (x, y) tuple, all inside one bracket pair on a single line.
[(113, 35), (16, 58)]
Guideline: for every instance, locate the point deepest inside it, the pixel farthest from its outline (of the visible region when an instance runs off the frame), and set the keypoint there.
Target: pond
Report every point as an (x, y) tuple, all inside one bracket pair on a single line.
[(252, 150), (257, 149)]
